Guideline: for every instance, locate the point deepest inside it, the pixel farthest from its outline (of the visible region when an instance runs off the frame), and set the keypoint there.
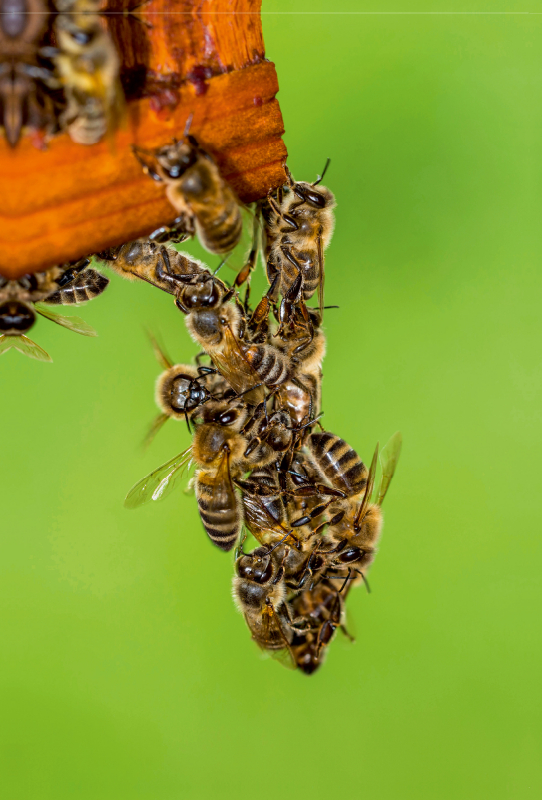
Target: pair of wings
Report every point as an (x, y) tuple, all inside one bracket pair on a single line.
[(29, 348), (159, 483), (384, 464)]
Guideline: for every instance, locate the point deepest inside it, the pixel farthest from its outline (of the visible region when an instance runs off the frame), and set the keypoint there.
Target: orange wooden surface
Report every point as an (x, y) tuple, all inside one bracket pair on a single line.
[(70, 200)]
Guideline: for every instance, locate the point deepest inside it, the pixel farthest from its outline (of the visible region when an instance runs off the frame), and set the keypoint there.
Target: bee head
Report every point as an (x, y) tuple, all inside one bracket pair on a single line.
[(176, 158), (16, 318)]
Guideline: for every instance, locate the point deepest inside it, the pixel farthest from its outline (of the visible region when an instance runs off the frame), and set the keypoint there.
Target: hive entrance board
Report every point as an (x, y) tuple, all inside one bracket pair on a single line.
[(69, 200)]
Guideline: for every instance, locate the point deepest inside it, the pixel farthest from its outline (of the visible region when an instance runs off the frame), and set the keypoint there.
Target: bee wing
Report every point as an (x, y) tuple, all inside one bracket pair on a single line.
[(258, 517), (159, 483), (233, 365), (75, 324), (322, 271), (369, 488), (161, 356), (388, 460), (156, 426), (272, 631), (25, 346)]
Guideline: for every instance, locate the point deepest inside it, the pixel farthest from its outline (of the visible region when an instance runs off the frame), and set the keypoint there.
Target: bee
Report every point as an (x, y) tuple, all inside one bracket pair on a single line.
[(223, 452), (88, 67), (183, 388), (298, 230), (27, 79), (196, 189), (318, 613), (259, 592), (219, 328), (21, 299), (149, 261), (302, 398), (355, 523), (272, 521)]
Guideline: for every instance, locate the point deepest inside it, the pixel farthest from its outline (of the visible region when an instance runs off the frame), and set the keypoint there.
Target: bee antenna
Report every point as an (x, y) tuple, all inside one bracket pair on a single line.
[(281, 541), (365, 581), (320, 177), (224, 261)]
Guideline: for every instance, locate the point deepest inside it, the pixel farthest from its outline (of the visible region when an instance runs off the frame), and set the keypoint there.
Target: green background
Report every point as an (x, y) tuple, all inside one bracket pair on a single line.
[(126, 671)]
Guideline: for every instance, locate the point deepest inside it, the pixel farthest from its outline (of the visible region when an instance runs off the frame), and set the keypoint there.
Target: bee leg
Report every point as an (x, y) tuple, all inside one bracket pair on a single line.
[(239, 549), (147, 169)]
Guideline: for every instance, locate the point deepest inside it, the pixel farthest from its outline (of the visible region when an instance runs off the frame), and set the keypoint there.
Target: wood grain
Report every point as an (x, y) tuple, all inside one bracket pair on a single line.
[(70, 200)]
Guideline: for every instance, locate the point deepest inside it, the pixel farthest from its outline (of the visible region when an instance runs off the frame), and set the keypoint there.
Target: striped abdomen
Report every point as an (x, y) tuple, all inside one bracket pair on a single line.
[(268, 362), (214, 205), (85, 285), (338, 463), (219, 508), (292, 262)]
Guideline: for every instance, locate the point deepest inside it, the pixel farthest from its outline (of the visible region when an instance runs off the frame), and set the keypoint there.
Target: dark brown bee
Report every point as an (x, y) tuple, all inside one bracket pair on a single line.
[(28, 83), (260, 594), (88, 68), (318, 612), (163, 267), (299, 229), (21, 299), (196, 189)]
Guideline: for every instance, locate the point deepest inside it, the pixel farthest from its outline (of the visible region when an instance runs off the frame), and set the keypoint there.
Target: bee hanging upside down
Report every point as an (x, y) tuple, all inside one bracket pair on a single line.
[(69, 284)]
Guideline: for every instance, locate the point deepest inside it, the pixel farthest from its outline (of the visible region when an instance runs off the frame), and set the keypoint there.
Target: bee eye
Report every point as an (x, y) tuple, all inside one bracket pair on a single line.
[(174, 171), (227, 417), (81, 37)]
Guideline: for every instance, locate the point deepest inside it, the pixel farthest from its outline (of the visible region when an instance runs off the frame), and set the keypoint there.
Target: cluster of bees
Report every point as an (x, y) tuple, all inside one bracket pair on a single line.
[(265, 466), (59, 70)]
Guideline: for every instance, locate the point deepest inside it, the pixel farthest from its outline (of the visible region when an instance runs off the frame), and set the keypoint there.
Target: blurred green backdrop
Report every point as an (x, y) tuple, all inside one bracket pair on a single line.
[(126, 672)]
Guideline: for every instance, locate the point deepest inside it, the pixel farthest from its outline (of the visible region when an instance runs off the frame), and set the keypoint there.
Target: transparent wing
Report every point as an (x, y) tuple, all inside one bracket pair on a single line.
[(75, 324), (388, 460), (161, 356), (156, 426), (273, 632), (258, 518), (158, 484), (232, 364), (368, 489), (25, 346)]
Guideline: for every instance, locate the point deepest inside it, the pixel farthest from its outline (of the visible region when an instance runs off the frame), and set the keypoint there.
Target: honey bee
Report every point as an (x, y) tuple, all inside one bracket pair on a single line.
[(318, 613), (223, 452), (260, 595), (355, 523), (299, 229), (161, 266), (302, 398), (21, 299), (27, 78), (196, 189), (219, 327), (273, 521), (183, 388), (88, 68)]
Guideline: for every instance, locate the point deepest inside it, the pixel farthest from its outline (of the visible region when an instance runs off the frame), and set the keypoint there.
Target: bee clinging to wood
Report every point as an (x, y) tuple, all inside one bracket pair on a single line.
[(197, 190)]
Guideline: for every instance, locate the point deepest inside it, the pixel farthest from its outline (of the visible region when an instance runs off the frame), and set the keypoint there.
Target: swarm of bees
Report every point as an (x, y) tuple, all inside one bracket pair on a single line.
[(59, 70), (265, 466)]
